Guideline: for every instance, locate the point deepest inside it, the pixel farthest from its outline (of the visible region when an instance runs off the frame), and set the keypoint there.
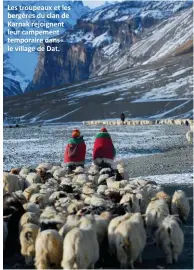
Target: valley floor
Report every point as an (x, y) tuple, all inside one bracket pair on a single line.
[(169, 162)]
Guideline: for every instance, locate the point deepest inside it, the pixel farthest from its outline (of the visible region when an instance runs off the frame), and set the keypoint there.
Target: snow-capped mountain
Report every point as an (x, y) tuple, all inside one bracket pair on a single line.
[(23, 72), (106, 39)]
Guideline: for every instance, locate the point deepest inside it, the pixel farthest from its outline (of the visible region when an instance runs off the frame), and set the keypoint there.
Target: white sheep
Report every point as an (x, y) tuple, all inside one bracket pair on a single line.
[(155, 213), (48, 213), (12, 182), (49, 249), (180, 205), (102, 222), (41, 199), (131, 203), (28, 236), (29, 217), (80, 246), (53, 169), (102, 179), (111, 183), (34, 188), (163, 195), (71, 222), (45, 166), (101, 189), (143, 199), (111, 229), (24, 172), (130, 240), (32, 207), (93, 174), (170, 238), (33, 178), (60, 173), (121, 169)]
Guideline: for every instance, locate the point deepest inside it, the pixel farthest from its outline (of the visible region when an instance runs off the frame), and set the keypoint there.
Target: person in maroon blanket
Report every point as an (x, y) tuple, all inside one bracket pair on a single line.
[(104, 151), (75, 151)]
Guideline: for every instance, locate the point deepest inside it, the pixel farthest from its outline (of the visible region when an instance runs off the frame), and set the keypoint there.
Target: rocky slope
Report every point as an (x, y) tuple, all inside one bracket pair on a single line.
[(15, 67), (113, 38), (162, 89)]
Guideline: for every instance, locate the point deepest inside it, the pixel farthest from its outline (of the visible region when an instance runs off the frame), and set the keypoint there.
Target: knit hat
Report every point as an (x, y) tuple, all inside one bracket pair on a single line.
[(103, 129), (75, 133)]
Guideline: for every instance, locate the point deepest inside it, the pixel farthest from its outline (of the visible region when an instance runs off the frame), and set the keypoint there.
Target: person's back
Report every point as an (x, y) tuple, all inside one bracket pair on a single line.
[(104, 151), (75, 151)]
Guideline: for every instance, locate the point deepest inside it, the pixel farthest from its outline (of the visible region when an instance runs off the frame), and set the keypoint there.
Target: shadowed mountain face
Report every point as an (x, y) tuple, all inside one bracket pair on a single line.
[(14, 66), (117, 36), (149, 75), (159, 90)]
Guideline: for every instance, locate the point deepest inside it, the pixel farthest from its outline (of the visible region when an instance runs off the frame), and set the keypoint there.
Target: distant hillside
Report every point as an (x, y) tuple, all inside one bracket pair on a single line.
[(118, 36)]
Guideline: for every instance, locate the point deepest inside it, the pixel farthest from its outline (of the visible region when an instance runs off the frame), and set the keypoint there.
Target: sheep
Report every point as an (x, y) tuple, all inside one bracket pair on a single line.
[(152, 190), (93, 174), (131, 203), (56, 195), (5, 233), (102, 179), (155, 213), (143, 199), (20, 196), (130, 239), (122, 171), (24, 172), (28, 236), (75, 206), (88, 189), (111, 229), (32, 207), (111, 183), (96, 200), (34, 188), (180, 205), (12, 182), (53, 169), (33, 178), (102, 222), (71, 222), (80, 246), (170, 238), (12, 212), (46, 166), (29, 217), (60, 173), (164, 196), (15, 171), (41, 199), (51, 224), (49, 249), (101, 189)]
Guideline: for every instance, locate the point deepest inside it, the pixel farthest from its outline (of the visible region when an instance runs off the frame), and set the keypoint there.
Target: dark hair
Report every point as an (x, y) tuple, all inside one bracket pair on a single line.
[(9, 200)]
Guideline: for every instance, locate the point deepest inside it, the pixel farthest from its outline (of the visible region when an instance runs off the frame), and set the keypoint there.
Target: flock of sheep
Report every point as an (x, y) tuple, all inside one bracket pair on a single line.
[(76, 221), (188, 122)]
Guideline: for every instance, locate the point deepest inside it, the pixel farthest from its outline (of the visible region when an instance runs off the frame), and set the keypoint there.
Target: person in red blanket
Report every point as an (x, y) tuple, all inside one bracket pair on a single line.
[(104, 151), (75, 151)]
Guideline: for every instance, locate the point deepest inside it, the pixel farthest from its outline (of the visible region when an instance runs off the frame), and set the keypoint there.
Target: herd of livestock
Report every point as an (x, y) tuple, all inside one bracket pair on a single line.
[(78, 221)]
